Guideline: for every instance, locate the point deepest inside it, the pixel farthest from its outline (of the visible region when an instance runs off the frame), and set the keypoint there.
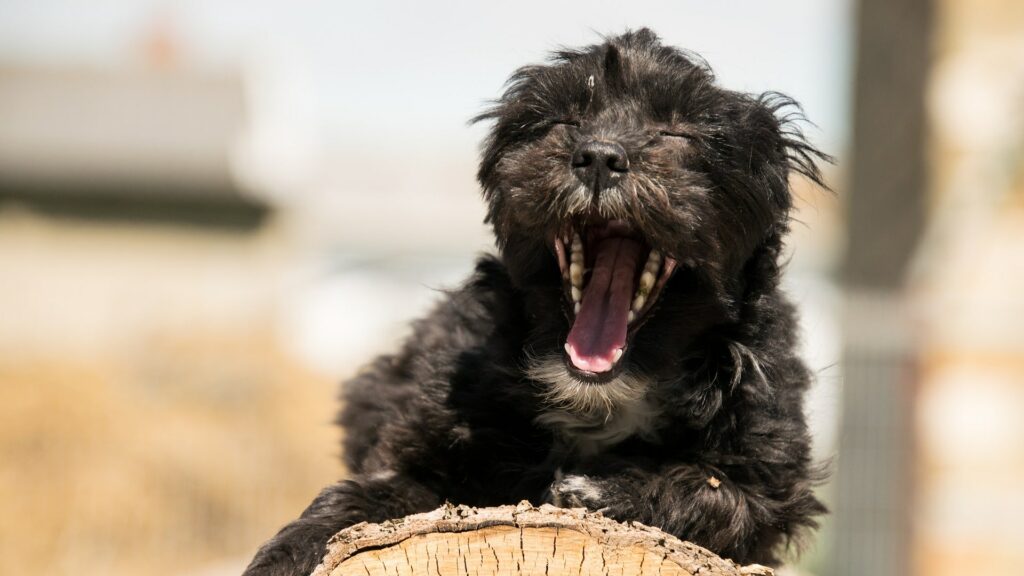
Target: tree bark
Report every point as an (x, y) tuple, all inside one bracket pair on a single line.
[(517, 540)]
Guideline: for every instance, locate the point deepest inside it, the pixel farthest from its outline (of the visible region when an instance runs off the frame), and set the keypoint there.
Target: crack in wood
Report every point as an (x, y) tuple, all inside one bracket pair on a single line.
[(571, 542)]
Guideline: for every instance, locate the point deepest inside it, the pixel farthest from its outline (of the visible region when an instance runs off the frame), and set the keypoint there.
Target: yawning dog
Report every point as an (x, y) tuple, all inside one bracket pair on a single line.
[(628, 349)]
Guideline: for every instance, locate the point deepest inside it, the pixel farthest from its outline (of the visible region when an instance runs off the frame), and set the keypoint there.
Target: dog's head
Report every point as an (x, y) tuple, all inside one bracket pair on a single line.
[(615, 168)]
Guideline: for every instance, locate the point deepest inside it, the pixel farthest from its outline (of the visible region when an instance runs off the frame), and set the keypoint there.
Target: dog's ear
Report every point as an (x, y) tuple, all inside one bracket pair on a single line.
[(761, 146), (758, 147), (797, 154), (778, 121), (505, 130)]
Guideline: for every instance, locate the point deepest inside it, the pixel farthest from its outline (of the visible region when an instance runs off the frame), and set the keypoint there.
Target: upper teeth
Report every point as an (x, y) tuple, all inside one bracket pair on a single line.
[(576, 270), (647, 279), (638, 302), (651, 269)]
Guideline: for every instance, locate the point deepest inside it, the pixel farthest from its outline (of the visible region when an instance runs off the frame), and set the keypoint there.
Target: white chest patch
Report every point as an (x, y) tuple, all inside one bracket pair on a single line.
[(593, 417)]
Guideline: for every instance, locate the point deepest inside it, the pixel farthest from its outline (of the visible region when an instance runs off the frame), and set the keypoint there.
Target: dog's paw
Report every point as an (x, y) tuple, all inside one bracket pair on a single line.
[(577, 491)]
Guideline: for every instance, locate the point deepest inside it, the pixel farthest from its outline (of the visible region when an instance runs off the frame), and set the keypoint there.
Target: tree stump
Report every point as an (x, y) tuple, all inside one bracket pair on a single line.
[(518, 540)]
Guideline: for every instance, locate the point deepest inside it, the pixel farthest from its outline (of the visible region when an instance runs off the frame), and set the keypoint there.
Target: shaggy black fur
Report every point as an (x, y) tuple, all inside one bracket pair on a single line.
[(700, 432)]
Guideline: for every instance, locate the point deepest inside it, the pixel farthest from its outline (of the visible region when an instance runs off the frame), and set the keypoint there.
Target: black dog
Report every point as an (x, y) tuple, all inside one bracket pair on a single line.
[(629, 350)]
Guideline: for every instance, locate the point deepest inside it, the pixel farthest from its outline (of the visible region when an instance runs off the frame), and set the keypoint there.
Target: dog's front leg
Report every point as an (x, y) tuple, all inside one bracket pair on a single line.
[(300, 545), (612, 494), (724, 511)]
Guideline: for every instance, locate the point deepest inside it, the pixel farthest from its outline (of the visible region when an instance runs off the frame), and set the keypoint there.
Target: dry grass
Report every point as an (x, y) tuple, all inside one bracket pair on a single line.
[(182, 454)]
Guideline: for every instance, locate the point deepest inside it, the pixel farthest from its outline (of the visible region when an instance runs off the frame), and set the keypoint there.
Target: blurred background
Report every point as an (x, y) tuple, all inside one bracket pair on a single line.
[(212, 212)]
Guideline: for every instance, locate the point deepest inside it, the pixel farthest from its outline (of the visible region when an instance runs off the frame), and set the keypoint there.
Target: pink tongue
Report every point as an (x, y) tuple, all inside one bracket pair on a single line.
[(600, 327)]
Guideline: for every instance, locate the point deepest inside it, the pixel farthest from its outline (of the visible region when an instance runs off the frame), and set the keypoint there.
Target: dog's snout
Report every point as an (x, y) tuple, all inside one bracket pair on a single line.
[(599, 162), (601, 155)]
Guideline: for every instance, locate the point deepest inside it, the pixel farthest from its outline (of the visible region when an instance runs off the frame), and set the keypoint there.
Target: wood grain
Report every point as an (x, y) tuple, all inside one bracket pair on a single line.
[(520, 540)]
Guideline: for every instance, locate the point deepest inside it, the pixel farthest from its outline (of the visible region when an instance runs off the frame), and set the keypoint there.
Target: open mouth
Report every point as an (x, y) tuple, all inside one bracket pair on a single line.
[(612, 279)]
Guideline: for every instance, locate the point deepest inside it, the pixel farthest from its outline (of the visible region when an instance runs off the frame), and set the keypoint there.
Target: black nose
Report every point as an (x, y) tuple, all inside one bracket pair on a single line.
[(600, 163)]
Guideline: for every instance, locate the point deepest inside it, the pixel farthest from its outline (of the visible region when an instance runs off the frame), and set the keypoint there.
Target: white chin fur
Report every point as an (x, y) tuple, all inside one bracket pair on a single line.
[(592, 417)]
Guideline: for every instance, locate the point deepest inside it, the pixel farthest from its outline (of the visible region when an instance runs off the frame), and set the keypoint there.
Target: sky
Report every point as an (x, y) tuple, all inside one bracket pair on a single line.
[(364, 71)]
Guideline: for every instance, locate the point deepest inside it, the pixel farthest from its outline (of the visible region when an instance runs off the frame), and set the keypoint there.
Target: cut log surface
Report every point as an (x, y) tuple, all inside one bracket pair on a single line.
[(517, 540)]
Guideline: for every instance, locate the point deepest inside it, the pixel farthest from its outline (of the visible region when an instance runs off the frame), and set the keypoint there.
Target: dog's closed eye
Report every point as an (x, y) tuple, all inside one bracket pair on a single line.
[(565, 122)]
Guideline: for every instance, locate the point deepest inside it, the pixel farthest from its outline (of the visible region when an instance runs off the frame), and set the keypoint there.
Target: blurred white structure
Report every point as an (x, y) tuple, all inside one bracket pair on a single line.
[(128, 126)]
